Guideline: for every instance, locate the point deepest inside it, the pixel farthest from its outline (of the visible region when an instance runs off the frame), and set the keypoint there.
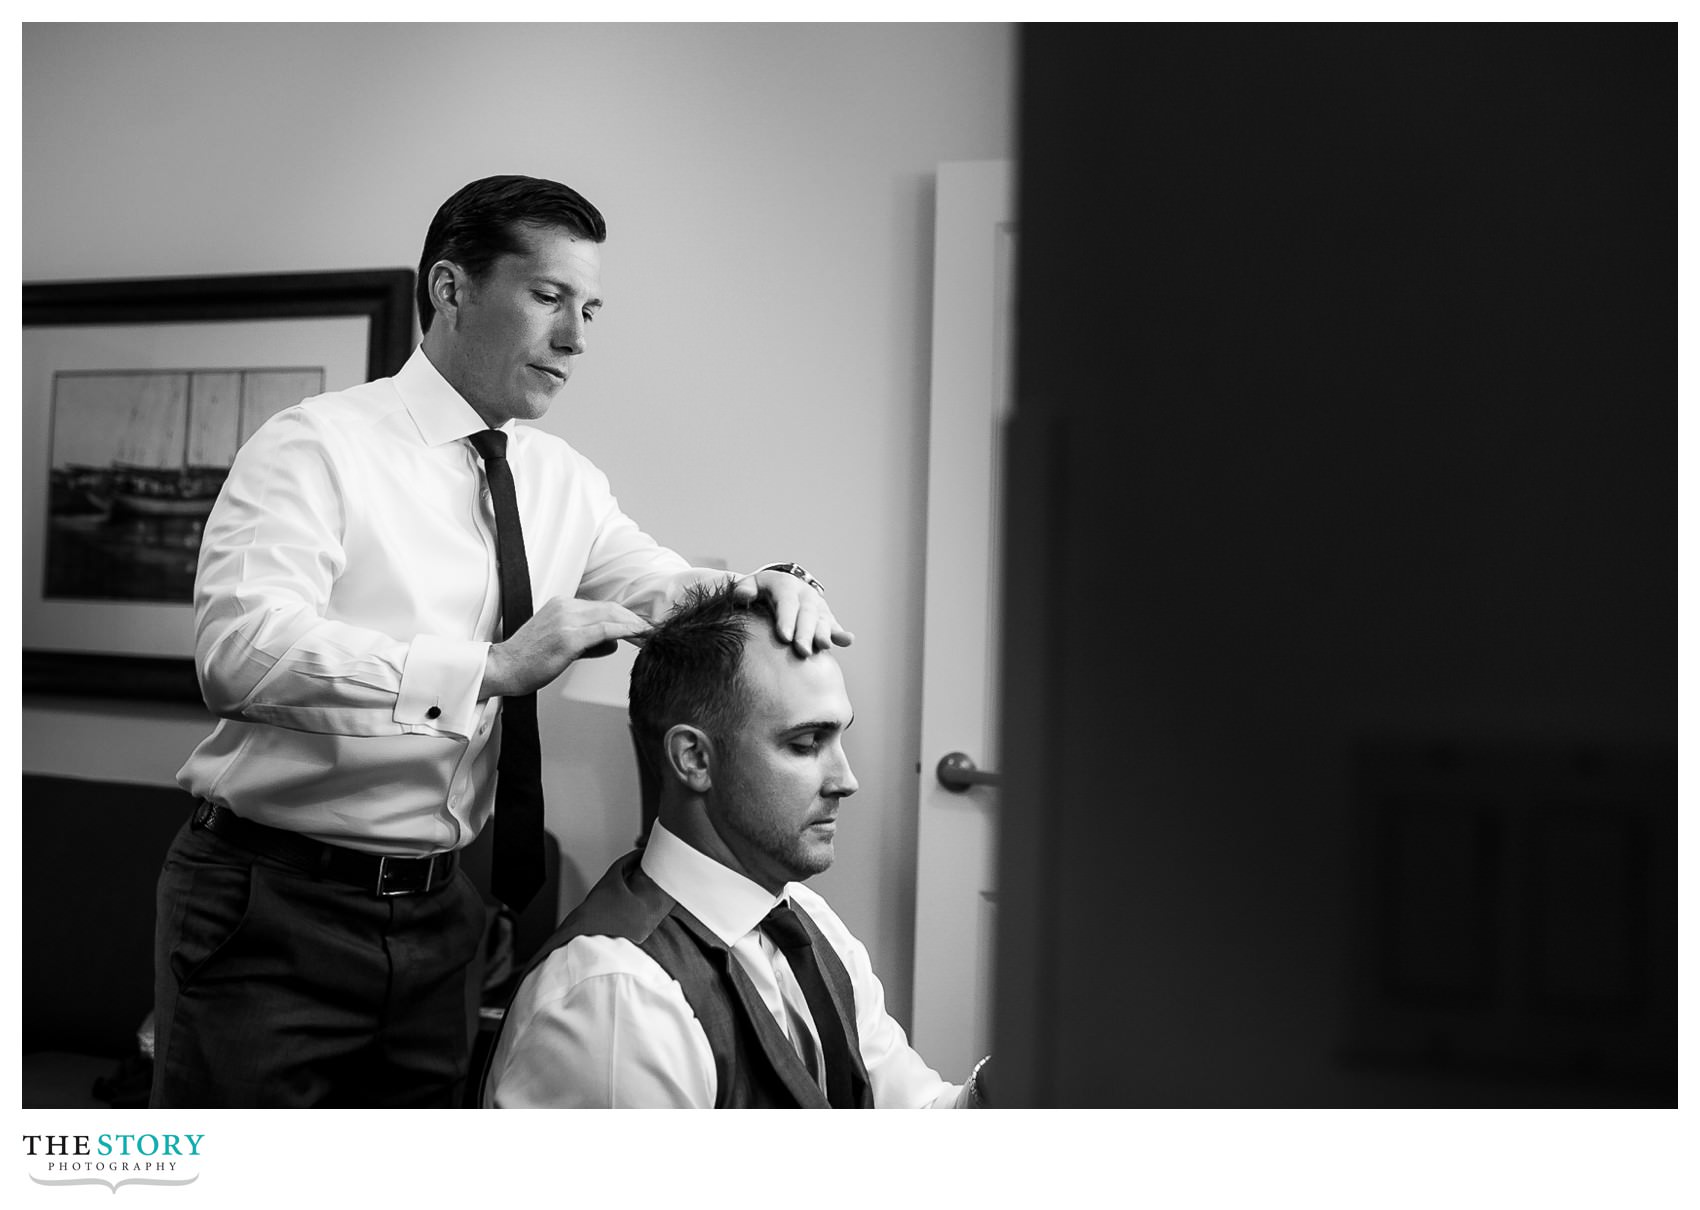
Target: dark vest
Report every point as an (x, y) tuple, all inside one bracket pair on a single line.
[(755, 1064)]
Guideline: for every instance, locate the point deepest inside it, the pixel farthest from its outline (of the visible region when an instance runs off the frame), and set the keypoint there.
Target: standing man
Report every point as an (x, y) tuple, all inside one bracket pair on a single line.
[(700, 972), (366, 634)]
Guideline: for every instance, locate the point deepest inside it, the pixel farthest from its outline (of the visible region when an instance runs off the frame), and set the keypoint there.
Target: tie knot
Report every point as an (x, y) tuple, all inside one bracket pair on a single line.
[(785, 930), (490, 443)]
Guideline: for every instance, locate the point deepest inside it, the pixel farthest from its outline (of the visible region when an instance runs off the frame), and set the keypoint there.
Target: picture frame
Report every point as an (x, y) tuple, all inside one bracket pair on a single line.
[(135, 395)]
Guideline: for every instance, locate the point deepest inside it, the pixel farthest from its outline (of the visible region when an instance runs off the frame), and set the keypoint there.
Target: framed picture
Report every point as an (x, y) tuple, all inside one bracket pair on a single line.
[(136, 396)]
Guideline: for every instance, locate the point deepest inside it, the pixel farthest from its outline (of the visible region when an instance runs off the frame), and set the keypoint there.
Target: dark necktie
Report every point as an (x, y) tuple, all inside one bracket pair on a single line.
[(517, 864), (787, 932)]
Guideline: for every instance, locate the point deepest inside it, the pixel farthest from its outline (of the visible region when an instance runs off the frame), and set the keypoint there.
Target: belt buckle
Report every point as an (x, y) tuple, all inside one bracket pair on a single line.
[(392, 881)]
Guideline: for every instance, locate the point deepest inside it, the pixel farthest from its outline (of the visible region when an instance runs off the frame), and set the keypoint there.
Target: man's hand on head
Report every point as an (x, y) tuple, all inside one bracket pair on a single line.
[(801, 616), (562, 631)]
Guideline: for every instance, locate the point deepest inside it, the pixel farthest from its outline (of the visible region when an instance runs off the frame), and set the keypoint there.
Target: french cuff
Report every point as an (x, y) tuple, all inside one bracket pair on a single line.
[(439, 686)]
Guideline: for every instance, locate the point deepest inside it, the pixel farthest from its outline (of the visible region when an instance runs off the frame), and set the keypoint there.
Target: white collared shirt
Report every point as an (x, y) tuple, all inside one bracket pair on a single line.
[(599, 1024), (347, 595)]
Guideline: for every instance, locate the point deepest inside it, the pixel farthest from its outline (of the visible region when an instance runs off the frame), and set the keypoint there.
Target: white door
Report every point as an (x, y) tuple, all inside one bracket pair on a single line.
[(955, 898)]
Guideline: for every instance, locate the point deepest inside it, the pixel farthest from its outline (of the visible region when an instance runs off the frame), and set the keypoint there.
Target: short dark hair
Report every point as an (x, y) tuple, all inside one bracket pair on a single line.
[(479, 223), (689, 670)]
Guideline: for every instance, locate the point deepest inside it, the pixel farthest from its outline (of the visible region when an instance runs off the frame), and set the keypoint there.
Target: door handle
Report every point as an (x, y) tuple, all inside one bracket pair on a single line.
[(956, 772)]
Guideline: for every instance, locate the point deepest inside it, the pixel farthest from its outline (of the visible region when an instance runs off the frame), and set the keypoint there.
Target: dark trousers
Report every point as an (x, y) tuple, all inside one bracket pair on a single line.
[(273, 987)]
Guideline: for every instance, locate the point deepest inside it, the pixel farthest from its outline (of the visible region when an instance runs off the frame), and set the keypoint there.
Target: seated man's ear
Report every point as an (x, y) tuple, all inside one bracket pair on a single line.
[(690, 756)]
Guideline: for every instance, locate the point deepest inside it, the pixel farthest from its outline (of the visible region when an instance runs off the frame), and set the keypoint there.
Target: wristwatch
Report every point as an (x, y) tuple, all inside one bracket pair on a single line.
[(976, 1098), (795, 569)]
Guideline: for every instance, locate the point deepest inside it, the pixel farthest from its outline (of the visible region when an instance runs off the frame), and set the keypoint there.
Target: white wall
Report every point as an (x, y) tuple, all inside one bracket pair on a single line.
[(757, 386)]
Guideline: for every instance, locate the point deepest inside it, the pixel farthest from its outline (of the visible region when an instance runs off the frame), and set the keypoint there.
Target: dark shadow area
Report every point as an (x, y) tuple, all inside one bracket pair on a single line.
[(1341, 621), (91, 860)]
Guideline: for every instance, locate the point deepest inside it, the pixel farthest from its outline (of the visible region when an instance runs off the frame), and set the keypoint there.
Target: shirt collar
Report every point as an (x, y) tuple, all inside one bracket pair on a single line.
[(723, 899), (438, 410)]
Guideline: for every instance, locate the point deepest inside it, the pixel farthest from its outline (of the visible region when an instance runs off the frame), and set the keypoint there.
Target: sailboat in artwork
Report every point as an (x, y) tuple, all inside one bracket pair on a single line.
[(139, 460), (153, 473)]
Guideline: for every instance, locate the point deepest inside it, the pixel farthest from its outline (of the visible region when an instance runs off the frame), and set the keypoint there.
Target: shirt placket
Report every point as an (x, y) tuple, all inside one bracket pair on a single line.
[(482, 518)]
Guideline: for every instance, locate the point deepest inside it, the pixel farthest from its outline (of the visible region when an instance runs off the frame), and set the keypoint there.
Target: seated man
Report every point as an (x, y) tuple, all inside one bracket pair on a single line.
[(699, 971)]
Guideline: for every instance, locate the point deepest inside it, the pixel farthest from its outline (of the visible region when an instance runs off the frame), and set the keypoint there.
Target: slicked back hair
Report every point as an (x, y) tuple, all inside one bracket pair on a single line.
[(481, 222), (689, 670)]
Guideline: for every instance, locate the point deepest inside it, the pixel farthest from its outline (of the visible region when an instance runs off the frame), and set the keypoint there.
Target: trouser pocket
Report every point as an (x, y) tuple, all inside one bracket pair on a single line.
[(214, 904)]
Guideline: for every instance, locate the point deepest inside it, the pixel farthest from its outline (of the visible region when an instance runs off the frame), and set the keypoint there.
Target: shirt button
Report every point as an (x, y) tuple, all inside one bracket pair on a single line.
[(433, 712)]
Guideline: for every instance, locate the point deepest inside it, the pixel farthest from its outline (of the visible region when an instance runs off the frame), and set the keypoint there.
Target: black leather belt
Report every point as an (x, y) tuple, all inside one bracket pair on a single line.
[(383, 876)]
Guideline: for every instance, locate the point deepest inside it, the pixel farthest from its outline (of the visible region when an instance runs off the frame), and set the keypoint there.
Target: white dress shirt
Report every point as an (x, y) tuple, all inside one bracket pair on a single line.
[(347, 595), (599, 1024)]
